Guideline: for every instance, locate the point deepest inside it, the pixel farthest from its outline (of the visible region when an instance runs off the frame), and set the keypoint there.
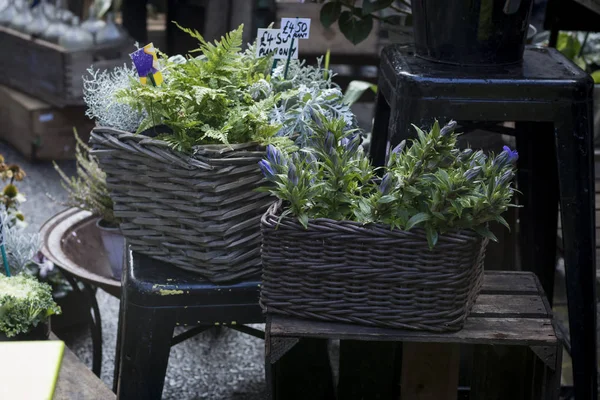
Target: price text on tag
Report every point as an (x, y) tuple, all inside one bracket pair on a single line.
[(272, 41), (299, 27)]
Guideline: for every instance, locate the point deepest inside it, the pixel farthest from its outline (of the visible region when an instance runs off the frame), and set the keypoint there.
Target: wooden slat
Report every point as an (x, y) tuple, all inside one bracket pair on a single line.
[(429, 371), (507, 331), (513, 306), (76, 381), (497, 282)]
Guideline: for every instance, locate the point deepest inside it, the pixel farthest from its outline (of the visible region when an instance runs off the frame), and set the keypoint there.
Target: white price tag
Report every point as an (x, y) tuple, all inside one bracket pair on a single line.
[(272, 41), (299, 27)]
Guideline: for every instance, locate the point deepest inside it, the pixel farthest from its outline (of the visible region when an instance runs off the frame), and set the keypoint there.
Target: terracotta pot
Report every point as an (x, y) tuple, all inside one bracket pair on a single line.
[(113, 242), (40, 332)]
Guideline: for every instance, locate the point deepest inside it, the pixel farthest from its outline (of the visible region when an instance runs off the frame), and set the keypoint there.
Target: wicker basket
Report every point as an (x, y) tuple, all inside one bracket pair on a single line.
[(343, 271), (200, 213)]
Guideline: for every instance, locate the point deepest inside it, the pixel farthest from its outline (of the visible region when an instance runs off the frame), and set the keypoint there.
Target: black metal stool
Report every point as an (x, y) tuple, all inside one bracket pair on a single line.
[(550, 99), (155, 298)]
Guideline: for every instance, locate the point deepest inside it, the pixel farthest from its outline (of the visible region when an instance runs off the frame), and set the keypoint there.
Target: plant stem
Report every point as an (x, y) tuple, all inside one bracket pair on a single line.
[(5, 259)]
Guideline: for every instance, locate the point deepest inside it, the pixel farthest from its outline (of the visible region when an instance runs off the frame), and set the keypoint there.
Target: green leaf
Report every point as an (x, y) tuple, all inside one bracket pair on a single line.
[(330, 13), (371, 6), (303, 218), (568, 44), (501, 219), (417, 219), (354, 28), (432, 236), (485, 232), (355, 90), (386, 199), (596, 76), (420, 133)]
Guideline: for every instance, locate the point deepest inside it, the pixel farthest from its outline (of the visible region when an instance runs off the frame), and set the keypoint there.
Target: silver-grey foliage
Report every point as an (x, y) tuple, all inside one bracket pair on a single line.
[(312, 92), (99, 88)]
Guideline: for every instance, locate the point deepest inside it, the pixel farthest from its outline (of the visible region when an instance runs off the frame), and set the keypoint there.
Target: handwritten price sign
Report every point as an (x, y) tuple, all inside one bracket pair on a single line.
[(273, 41), (299, 28)]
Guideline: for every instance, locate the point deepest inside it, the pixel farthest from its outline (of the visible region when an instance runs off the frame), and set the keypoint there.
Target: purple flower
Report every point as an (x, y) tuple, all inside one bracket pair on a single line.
[(274, 155), (292, 176), (399, 147), (386, 184), (472, 173), (505, 178), (266, 169), (513, 155), (448, 129), (329, 139), (351, 144)]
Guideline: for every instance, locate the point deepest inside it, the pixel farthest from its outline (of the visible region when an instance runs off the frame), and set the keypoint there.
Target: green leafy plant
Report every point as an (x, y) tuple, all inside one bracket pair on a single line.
[(356, 22), (223, 96), (24, 303), (430, 185), (569, 44), (87, 190)]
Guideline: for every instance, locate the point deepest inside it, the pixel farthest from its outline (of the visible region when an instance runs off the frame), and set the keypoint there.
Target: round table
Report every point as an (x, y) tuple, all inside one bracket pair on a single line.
[(71, 240)]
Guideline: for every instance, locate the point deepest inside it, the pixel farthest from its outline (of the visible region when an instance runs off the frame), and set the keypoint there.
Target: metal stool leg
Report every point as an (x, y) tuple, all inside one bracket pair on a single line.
[(576, 174), (94, 322), (146, 335)]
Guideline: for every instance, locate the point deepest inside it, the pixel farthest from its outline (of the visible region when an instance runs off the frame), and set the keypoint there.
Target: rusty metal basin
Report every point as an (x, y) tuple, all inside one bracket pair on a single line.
[(71, 240)]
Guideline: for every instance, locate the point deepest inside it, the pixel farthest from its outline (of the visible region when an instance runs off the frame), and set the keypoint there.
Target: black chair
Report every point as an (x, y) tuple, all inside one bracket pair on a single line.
[(155, 298), (550, 100)]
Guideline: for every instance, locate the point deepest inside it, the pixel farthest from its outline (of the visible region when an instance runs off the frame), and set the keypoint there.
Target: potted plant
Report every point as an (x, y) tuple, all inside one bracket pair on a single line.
[(481, 32), (404, 251), (181, 157), (25, 303), (88, 191)]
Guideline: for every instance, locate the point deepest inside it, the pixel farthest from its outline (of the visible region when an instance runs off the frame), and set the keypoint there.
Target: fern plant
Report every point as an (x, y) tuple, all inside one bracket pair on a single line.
[(87, 190), (209, 99)]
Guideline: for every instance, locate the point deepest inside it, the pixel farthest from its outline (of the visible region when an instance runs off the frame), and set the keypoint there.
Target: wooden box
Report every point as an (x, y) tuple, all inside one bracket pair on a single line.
[(48, 71), (509, 346), (38, 130)]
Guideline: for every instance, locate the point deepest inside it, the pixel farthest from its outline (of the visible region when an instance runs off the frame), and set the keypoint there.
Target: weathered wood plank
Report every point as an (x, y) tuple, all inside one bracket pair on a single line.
[(509, 282), (507, 331), (513, 306), (429, 371), (77, 382)]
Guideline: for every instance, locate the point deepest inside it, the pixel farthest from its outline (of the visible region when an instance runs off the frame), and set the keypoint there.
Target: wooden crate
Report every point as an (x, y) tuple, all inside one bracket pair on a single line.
[(513, 350), (48, 71), (38, 130)]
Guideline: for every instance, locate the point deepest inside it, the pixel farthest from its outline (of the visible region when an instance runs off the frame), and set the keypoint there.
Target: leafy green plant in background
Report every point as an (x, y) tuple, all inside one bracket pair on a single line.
[(24, 303), (569, 44), (430, 184), (87, 190), (356, 22)]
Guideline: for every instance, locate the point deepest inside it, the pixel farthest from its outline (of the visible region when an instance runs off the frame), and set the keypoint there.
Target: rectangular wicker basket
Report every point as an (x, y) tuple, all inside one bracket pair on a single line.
[(342, 271), (200, 213)]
